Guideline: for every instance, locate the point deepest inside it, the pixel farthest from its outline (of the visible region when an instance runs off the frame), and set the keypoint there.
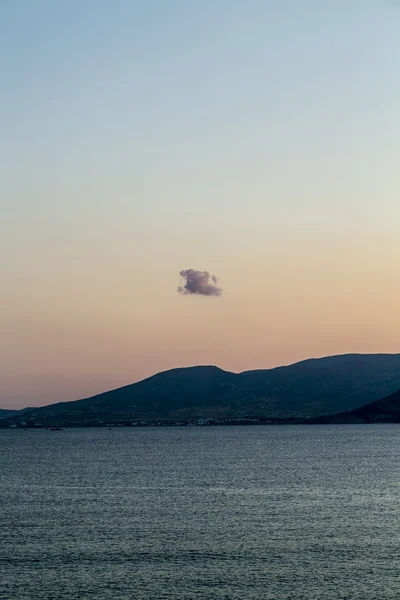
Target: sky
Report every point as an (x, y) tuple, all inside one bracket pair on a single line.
[(257, 140)]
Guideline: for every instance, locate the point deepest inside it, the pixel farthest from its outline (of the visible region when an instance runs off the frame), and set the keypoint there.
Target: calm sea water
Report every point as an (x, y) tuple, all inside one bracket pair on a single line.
[(201, 513)]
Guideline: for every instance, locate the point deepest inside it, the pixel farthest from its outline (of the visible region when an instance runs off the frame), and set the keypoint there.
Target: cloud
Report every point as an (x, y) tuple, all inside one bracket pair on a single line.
[(199, 282)]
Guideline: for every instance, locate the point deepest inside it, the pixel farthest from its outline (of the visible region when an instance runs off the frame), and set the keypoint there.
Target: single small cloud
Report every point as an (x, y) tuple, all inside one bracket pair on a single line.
[(199, 282)]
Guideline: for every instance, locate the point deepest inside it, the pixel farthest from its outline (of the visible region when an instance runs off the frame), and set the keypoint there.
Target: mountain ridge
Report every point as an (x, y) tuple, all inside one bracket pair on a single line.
[(310, 388), (385, 410)]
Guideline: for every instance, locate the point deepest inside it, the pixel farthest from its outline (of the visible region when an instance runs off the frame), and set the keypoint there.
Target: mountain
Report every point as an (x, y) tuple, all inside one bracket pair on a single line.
[(306, 389), (5, 413), (386, 410)]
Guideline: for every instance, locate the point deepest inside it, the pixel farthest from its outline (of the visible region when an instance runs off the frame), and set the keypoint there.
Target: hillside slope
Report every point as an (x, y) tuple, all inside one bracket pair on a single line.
[(386, 410), (5, 413), (306, 389)]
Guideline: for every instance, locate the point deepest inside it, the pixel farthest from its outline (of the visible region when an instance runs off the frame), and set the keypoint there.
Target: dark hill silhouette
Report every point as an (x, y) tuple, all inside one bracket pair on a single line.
[(305, 389), (386, 410), (5, 413)]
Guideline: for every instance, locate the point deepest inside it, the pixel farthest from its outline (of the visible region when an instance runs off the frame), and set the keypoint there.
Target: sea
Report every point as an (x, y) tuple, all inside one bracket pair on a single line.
[(201, 513)]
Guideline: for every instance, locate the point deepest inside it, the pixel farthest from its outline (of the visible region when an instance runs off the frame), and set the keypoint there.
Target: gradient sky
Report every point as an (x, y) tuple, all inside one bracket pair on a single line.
[(258, 140)]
